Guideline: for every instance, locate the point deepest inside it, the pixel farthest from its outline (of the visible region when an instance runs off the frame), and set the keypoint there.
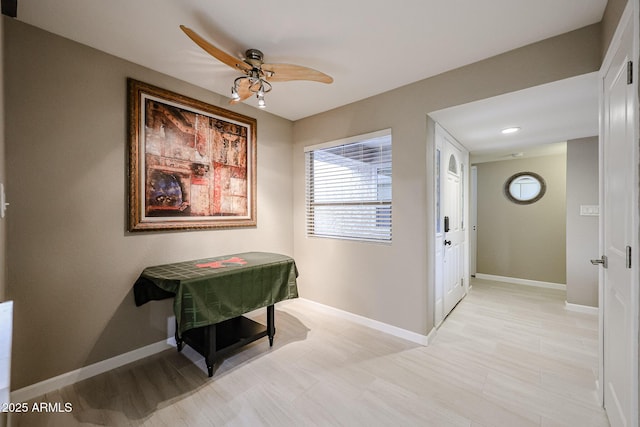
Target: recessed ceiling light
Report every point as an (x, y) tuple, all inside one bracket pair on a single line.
[(510, 130)]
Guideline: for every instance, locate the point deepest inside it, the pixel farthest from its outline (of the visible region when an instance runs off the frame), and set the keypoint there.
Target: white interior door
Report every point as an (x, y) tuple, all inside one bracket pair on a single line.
[(454, 239), (451, 216), (619, 297)]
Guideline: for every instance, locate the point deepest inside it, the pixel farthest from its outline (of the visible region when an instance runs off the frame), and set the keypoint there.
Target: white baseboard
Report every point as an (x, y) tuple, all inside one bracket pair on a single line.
[(581, 308), (600, 394), (47, 386), (55, 383), (526, 282), (39, 389), (373, 324)]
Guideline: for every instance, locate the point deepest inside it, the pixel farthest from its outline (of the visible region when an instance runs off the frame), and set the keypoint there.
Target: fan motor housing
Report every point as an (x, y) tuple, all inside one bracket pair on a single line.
[(254, 57)]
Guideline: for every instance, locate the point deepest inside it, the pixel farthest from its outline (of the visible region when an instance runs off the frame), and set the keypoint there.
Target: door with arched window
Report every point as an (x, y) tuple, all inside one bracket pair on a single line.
[(450, 226)]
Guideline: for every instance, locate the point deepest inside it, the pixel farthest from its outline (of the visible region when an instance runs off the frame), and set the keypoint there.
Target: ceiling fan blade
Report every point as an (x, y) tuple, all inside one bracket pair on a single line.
[(243, 91), (221, 55), (287, 72)]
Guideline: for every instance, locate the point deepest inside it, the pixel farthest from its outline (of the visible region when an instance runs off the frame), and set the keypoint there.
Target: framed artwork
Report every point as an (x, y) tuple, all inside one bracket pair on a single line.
[(192, 165)]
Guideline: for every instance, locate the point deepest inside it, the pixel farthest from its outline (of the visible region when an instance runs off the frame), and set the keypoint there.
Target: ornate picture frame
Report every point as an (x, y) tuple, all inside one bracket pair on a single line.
[(192, 165)]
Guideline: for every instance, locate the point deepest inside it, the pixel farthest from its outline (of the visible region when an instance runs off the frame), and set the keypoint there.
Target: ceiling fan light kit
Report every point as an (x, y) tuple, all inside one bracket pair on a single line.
[(254, 82), (258, 75)]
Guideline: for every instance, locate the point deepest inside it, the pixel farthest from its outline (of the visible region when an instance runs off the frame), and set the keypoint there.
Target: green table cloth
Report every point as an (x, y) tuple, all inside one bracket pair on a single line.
[(211, 290)]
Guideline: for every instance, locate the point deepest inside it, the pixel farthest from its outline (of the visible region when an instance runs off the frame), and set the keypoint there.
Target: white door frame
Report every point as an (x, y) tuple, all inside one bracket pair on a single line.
[(473, 221), (630, 13)]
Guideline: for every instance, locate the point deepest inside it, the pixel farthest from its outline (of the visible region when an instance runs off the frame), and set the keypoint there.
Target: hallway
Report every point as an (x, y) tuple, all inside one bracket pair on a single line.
[(506, 356), (531, 355)]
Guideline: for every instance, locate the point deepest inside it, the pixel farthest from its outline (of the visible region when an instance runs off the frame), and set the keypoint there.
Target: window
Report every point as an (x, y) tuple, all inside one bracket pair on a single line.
[(348, 188), (525, 188), (453, 165)]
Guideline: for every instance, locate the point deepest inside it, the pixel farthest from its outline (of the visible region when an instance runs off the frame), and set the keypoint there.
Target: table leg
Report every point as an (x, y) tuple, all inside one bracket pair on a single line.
[(179, 341), (271, 326), (210, 348)]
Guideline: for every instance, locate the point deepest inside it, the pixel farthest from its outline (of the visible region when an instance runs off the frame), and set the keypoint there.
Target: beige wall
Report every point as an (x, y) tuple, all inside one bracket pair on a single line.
[(3, 417), (582, 231), (610, 19), (71, 262), (3, 222), (522, 241), (394, 284)]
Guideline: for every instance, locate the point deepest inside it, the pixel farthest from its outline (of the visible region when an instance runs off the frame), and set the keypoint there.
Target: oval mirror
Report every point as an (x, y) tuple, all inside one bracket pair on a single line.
[(525, 188)]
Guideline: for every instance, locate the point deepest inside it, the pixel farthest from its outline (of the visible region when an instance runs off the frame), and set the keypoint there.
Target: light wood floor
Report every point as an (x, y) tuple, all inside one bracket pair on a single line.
[(506, 356)]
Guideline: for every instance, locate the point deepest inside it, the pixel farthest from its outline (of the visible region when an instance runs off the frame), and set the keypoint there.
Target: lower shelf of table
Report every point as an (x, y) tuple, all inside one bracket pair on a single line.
[(215, 341)]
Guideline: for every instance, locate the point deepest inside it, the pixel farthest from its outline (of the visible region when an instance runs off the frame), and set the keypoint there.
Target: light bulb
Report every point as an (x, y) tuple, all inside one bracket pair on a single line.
[(510, 130), (234, 94)]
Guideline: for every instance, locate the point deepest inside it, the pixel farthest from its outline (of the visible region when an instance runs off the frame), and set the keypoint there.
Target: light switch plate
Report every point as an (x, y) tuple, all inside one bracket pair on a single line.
[(589, 210)]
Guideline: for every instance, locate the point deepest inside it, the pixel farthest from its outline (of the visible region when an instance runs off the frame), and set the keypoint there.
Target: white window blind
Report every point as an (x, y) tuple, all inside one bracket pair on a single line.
[(348, 188)]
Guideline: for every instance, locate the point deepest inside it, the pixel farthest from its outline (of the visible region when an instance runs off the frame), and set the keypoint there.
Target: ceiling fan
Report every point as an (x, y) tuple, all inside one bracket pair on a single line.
[(257, 74)]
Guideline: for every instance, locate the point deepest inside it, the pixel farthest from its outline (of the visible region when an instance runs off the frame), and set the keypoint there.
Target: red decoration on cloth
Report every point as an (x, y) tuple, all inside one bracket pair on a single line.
[(235, 260), (220, 264), (212, 264)]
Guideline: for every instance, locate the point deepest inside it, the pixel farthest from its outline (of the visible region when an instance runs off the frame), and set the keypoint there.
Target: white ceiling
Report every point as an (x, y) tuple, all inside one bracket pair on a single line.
[(368, 47), (547, 115)]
